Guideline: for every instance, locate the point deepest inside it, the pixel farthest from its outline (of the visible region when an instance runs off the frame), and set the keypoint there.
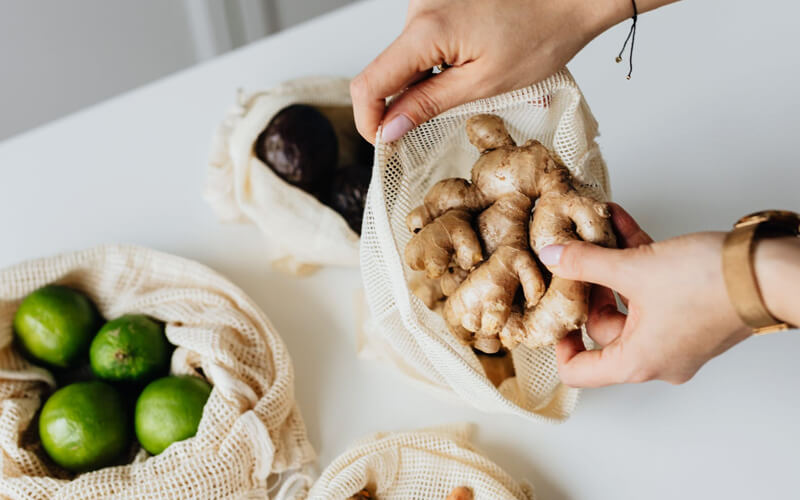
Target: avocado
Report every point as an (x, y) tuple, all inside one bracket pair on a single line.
[(300, 145), (348, 193), (352, 147)]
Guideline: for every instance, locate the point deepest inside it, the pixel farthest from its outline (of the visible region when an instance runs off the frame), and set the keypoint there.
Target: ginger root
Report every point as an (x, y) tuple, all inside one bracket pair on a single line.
[(461, 493), (429, 291), (479, 238), (364, 494), (448, 237), (497, 367)]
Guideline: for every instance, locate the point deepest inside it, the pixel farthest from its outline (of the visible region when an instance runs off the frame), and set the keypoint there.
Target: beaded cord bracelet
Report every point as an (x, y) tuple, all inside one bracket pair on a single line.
[(632, 39)]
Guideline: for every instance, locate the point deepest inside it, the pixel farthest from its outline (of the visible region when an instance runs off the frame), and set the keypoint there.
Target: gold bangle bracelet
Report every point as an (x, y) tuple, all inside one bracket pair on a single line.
[(739, 271)]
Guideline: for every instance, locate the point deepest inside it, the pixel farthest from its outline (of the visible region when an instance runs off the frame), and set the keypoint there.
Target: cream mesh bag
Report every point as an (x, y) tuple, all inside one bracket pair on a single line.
[(300, 231), (401, 328), (425, 465), (251, 427)]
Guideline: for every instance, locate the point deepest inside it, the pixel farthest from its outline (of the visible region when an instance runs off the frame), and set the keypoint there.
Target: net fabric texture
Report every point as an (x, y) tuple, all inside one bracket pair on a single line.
[(251, 429), (401, 326), (300, 232), (425, 465)]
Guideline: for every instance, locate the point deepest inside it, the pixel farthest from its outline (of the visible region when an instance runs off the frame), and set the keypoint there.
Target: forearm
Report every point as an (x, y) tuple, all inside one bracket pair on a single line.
[(608, 13), (777, 267), (643, 5)]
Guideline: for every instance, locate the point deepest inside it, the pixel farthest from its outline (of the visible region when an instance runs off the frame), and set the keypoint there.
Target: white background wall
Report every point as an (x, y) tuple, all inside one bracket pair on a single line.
[(59, 56)]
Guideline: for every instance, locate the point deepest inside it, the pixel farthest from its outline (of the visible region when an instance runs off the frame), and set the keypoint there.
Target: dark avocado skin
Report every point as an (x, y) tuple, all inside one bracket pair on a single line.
[(353, 149), (348, 193), (365, 152), (300, 145), (319, 150)]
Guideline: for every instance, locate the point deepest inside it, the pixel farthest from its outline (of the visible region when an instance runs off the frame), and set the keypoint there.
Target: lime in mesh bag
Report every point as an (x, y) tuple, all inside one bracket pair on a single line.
[(251, 429), (401, 328)]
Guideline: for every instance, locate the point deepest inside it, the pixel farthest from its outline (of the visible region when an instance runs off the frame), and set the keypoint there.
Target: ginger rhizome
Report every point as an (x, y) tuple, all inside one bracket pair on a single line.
[(479, 239), (461, 493), (364, 494)]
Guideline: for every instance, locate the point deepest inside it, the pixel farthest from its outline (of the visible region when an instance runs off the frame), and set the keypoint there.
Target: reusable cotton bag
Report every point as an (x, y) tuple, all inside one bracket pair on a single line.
[(251, 428), (426, 464), (300, 232), (400, 328)]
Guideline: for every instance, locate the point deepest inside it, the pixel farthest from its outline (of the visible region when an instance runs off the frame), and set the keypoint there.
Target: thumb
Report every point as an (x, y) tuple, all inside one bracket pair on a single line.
[(581, 261), (426, 99)]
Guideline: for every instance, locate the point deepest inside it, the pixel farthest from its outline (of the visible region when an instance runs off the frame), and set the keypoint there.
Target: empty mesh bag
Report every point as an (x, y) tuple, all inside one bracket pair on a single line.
[(251, 429), (401, 329)]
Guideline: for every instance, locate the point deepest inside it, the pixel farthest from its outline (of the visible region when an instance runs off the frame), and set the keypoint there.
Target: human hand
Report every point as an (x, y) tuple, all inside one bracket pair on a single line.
[(493, 47), (679, 314)]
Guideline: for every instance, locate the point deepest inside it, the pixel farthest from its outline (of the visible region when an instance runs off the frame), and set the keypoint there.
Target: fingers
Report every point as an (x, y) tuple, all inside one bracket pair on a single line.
[(428, 98), (581, 261), (578, 367), (408, 58), (628, 230), (605, 323), (601, 297)]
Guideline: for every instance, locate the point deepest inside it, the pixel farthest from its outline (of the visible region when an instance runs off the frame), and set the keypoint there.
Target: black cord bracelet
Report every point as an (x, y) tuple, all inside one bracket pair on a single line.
[(632, 39)]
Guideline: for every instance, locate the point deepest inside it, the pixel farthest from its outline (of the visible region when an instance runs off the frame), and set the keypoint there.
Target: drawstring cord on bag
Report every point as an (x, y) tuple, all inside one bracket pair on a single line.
[(632, 39)]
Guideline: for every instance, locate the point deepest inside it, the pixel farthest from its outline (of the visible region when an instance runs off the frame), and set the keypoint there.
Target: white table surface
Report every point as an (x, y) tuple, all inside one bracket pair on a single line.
[(706, 131)]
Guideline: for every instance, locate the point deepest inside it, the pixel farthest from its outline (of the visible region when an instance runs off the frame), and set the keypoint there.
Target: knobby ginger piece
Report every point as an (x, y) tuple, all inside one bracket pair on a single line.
[(498, 367), (460, 493), (480, 237), (429, 291), (364, 494)]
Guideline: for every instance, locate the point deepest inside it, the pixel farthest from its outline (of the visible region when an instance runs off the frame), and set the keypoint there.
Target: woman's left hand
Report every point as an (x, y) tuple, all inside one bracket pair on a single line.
[(679, 314)]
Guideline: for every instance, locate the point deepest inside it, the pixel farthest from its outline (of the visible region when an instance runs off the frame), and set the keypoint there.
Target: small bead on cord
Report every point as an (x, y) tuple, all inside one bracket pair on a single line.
[(632, 39)]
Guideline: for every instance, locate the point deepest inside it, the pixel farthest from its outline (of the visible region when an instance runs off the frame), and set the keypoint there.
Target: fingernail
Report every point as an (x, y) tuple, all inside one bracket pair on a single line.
[(551, 254), (396, 128)]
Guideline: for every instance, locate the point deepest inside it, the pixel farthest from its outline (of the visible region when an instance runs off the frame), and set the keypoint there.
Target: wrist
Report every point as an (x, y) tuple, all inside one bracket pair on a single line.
[(777, 269), (604, 14)]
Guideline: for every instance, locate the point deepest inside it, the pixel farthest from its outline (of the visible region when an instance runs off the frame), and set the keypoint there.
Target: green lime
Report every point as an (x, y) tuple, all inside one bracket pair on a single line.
[(55, 325), (169, 410), (84, 427), (132, 348)]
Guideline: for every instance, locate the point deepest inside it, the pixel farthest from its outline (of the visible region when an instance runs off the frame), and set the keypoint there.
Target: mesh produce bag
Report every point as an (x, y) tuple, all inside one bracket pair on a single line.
[(425, 465), (300, 231), (409, 334), (251, 427)]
